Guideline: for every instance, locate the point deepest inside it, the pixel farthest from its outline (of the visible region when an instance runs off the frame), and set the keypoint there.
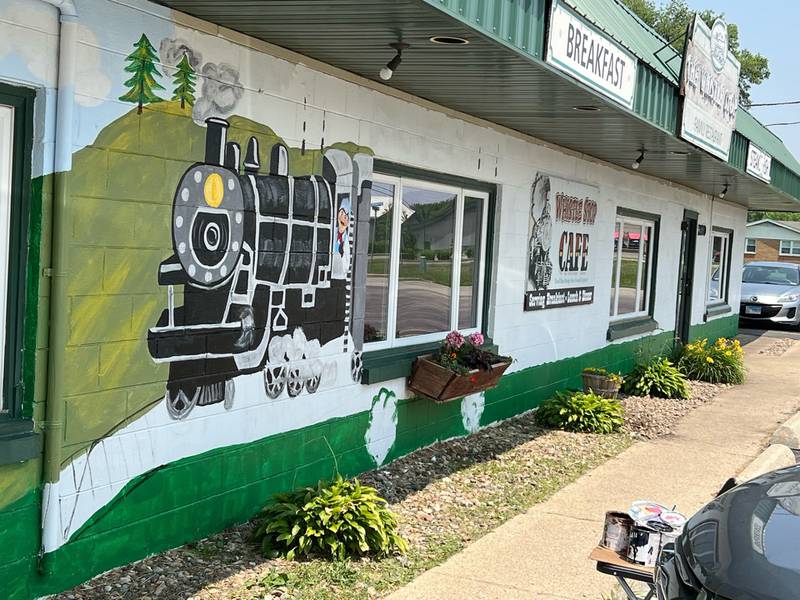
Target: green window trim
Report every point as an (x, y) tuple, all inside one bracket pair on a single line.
[(18, 439), (618, 330), (13, 388), (394, 363)]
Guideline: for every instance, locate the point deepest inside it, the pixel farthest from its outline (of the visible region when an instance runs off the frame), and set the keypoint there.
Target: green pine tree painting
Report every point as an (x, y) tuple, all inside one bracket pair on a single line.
[(184, 81), (142, 84)]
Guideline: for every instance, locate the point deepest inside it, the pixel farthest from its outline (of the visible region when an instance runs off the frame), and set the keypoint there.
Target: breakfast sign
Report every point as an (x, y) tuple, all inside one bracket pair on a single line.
[(561, 226), (585, 53)]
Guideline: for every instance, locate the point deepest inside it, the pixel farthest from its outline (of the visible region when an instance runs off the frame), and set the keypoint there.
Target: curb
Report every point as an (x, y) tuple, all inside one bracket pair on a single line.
[(776, 456), (788, 434)]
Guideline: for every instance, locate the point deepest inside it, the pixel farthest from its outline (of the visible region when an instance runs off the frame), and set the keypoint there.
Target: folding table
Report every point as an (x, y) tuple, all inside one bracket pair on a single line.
[(611, 563)]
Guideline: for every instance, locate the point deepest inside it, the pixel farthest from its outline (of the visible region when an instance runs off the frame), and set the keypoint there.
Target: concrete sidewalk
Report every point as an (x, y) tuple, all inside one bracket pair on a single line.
[(543, 552)]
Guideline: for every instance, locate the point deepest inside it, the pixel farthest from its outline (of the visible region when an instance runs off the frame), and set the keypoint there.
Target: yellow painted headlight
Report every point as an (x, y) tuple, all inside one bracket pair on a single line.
[(213, 190)]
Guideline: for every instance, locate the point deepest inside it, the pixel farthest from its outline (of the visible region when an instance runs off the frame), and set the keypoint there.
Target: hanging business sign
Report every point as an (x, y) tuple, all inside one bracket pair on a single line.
[(561, 233), (710, 88), (759, 163), (582, 51)]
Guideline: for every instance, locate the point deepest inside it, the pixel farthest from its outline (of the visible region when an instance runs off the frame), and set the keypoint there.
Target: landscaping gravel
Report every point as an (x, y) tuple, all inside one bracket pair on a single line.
[(647, 418), (445, 496), (778, 347)]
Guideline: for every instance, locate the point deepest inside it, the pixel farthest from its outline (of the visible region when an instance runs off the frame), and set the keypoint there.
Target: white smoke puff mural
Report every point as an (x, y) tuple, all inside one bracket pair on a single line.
[(382, 430), (471, 411), (220, 93)]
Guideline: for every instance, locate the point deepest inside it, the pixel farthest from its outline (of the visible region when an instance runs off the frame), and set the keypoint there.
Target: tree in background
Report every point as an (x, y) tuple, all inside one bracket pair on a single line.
[(671, 20), (757, 215), (142, 84), (184, 80)]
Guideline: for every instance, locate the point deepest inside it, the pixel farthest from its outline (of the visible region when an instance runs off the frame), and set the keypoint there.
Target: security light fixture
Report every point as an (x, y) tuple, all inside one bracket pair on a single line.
[(387, 71), (723, 192), (635, 164), (449, 40)]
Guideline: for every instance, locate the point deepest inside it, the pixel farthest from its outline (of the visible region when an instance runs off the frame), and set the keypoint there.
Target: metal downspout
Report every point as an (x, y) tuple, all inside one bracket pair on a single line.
[(54, 410)]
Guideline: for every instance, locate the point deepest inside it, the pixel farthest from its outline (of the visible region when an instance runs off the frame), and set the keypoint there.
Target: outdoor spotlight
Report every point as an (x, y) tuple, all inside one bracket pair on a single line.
[(723, 192), (638, 161), (387, 71)]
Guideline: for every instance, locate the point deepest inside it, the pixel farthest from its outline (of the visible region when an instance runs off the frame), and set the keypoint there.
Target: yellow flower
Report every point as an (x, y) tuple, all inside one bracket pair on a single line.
[(728, 353), (709, 360)]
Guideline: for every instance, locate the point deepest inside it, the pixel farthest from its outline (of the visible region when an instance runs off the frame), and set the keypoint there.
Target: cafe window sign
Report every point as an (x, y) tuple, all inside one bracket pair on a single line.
[(759, 163), (583, 52), (561, 238), (710, 88)]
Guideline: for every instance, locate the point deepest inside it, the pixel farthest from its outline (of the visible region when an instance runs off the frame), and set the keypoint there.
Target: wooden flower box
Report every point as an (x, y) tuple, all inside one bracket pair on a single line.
[(442, 385), (602, 385)]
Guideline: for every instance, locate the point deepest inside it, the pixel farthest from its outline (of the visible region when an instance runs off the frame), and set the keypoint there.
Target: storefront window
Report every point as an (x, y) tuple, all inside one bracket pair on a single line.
[(426, 261), (719, 266), (631, 271)]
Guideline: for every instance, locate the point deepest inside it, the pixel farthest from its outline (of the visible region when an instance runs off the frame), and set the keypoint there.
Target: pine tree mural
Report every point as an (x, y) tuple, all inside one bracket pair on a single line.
[(184, 81), (142, 84)]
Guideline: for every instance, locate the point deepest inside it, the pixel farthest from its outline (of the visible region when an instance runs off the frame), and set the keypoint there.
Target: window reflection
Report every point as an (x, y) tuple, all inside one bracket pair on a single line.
[(424, 293), (376, 314)]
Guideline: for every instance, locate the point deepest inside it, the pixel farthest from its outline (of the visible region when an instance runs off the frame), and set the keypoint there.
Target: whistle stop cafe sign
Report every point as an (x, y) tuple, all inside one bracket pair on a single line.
[(561, 226), (710, 88), (583, 52)]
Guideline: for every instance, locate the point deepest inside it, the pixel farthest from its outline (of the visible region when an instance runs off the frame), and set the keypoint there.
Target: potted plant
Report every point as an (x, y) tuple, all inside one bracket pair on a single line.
[(458, 368), (601, 382)]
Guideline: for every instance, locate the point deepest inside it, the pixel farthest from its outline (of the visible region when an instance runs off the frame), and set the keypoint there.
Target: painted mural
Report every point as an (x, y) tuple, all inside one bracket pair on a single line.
[(264, 262)]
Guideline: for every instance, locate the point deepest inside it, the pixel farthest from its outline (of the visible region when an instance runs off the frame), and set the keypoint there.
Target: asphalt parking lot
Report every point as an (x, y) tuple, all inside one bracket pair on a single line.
[(749, 331)]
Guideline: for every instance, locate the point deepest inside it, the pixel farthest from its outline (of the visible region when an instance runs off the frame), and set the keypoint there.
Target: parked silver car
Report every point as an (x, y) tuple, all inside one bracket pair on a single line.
[(771, 291)]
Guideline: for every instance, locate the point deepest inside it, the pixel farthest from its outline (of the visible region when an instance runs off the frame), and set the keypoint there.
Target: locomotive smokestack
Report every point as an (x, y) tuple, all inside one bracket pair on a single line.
[(216, 137), (232, 153), (251, 161)]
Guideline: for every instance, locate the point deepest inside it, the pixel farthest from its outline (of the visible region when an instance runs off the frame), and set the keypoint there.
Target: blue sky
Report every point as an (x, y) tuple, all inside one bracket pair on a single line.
[(769, 27)]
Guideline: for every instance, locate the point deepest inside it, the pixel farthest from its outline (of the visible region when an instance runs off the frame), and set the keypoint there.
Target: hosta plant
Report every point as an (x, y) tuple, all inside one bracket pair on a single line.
[(334, 520), (580, 411), (720, 362), (658, 377)]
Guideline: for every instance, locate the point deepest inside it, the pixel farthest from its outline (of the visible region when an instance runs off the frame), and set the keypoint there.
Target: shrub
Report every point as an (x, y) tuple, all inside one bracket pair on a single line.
[(659, 378), (580, 411), (721, 362), (334, 520)]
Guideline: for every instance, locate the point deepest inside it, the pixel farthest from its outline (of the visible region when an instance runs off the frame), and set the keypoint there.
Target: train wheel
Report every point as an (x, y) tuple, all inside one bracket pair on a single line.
[(312, 383), (294, 383), (356, 366), (180, 403), (274, 380), (230, 391)]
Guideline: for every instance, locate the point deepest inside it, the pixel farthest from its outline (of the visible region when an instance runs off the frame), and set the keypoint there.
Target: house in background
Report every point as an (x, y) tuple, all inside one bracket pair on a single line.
[(769, 239)]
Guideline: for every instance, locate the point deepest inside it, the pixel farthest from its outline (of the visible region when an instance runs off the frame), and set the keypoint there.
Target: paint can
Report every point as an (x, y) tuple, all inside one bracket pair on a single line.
[(644, 545), (616, 531)]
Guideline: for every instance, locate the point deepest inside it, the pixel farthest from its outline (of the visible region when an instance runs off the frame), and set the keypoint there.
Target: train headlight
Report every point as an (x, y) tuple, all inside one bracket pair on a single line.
[(208, 223), (213, 190)]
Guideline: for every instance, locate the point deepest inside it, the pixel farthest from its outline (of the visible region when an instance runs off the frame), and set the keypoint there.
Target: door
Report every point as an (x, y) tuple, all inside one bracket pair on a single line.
[(683, 318)]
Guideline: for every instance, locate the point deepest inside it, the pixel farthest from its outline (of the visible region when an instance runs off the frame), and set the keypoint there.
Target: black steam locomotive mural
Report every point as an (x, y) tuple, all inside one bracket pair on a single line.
[(264, 261)]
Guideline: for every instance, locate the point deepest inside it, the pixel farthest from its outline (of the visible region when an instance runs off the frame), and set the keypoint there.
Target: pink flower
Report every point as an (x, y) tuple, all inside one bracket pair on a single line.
[(454, 339), (476, 339)]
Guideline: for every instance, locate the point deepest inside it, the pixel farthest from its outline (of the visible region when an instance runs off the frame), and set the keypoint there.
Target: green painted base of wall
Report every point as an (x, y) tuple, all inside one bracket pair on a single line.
[(198, 496)]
